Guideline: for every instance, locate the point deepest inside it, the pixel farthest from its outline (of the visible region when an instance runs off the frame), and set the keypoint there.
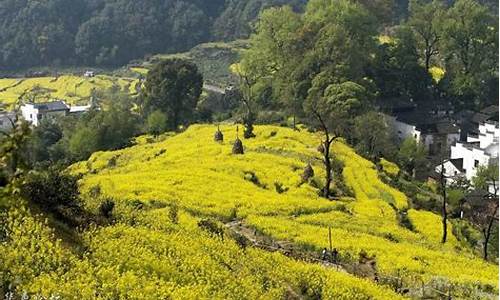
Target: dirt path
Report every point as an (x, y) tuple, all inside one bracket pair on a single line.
[(287, 248)]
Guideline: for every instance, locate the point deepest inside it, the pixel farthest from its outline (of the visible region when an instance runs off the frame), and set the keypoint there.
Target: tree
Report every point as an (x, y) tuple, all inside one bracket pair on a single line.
[(425, 18), (247, 81), (372, 135), (41, 142), (487, 178), (13, 143), (485, 213), (101, 130), (174, 87), (156, 123), (13, 167), (444, 211), (470, 50), (331, 110), (273, 55), (412, 156)]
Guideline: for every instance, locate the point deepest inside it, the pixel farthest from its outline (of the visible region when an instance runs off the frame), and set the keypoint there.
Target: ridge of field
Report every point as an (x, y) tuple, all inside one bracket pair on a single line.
[(263, 187)]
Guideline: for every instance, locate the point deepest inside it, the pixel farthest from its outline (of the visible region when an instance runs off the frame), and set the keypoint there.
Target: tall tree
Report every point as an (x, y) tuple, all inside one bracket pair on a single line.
[(372, 135), (470, 49), (425, 18), (247, 80), (174, 87), (274, 51)]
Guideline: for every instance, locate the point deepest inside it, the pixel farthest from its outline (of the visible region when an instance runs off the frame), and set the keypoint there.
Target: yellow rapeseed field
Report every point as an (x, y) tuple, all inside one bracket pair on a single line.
[(206, 179), (72, 89)]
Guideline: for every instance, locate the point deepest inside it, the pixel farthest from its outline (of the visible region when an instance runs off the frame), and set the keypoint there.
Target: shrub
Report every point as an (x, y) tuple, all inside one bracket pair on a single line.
[(279, 188), (106, 208), (54, 192), (156, 123), (211, 227), (173, 213)]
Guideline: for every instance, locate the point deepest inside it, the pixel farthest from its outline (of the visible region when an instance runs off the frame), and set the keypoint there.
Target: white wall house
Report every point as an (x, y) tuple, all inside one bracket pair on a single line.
[(36, 112), (435, 135), (480, 150)]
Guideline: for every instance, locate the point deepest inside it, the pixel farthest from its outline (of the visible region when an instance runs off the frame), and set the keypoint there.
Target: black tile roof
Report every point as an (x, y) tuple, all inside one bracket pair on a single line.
[(51, 106)]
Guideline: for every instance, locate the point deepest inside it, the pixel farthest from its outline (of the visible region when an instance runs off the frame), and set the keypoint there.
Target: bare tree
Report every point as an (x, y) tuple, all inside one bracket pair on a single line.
[(484, 212), (444, 212), (331, 107)]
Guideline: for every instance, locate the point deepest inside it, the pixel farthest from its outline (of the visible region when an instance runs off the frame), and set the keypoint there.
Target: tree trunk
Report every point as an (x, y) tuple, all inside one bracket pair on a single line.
[(444, 212), (328, 168), (487, 234), (427, 61)]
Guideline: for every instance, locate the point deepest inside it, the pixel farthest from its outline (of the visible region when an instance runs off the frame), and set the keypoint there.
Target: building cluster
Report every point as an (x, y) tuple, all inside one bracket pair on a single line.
[(461, 142)]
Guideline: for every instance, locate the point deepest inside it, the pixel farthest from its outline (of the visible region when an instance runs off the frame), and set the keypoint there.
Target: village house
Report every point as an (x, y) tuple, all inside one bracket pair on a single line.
[(36, 112), (436, 134), (479, 150), (89, 74)]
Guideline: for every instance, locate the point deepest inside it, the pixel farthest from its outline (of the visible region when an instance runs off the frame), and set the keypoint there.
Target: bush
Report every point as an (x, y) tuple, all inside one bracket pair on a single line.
[(106, 208), (156, 123), (51, 189), (173, 213)]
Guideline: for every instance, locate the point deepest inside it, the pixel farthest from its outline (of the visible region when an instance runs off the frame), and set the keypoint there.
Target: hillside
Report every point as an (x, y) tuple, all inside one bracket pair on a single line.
[(262, 189), (108, 33)]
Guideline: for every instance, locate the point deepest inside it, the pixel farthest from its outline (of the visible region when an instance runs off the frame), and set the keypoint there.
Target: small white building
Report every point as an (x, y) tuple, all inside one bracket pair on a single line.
[(89, 74), (36, 112)]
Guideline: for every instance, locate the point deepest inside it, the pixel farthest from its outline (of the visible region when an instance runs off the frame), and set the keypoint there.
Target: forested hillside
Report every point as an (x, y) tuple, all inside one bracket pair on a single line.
[(113, 32)]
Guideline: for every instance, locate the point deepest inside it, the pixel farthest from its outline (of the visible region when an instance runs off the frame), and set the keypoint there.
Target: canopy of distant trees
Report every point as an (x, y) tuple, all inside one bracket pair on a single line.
[(113, 32)]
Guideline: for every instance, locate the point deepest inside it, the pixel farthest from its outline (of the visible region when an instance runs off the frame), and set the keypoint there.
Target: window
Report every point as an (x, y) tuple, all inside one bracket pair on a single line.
[(476, 163)]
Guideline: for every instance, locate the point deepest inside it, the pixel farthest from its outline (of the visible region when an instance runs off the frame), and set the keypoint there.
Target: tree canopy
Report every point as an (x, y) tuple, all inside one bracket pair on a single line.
[(173, 87)]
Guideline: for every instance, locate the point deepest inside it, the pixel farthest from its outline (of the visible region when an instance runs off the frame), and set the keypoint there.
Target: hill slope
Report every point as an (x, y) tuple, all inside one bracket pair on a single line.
[(263, 189)]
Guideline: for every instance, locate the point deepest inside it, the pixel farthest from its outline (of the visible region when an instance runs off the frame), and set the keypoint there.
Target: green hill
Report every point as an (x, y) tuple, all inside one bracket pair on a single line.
[(234, 209)]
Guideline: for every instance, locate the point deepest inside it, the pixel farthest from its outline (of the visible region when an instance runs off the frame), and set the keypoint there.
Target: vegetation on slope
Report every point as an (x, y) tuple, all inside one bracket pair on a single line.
[(205, 179)]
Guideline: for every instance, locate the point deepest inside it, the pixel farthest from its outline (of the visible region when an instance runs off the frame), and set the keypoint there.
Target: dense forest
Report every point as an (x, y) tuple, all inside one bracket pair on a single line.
[(113, 32)]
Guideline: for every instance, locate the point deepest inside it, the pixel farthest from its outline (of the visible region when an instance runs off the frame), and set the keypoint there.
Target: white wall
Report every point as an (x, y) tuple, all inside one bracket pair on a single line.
[(403, 130), (472, 156), (450, 171), (29, 113), (34, 116)]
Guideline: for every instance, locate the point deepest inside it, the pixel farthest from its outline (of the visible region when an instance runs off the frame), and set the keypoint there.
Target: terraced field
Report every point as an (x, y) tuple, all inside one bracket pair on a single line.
[(72, 89)]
